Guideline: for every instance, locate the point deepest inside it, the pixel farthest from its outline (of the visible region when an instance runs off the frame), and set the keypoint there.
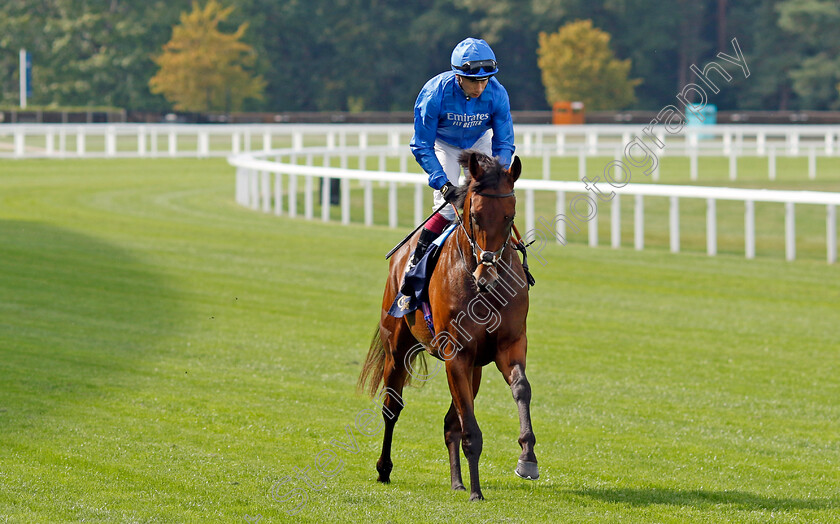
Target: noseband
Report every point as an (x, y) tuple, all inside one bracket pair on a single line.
[(482, 256)]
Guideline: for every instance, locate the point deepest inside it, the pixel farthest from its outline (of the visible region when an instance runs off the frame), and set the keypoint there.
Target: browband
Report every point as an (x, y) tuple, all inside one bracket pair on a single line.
[(505, 195)]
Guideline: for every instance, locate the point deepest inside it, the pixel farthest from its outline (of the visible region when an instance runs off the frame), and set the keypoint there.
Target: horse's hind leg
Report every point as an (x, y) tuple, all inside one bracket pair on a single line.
[(394, 377), (511, 363), (452, 436)]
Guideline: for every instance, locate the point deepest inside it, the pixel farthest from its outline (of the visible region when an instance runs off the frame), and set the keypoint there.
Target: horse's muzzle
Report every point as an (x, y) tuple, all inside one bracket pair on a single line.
[(486, 278)]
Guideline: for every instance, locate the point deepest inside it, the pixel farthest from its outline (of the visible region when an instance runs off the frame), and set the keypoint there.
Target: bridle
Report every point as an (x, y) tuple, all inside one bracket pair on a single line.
[(482, 256)]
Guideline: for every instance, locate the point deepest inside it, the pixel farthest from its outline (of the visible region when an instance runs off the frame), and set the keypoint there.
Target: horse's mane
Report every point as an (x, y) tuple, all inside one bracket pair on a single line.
[(493, 171)]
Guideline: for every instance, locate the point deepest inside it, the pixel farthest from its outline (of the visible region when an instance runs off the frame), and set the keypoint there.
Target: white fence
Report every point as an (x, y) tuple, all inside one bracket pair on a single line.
[(547, 141), (169, 140), (272, 186), (254, 186)]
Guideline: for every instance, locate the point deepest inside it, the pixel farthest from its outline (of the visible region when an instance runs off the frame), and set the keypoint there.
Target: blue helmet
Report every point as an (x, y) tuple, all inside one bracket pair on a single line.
[(474, 58)]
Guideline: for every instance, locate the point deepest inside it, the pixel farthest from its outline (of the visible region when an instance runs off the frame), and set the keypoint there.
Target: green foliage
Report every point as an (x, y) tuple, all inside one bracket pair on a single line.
[(85, 52), (770, 57), (578, 64), (321, 54), (813, 25), (512, 28), (201, 68), (645, 33), (324, 54)]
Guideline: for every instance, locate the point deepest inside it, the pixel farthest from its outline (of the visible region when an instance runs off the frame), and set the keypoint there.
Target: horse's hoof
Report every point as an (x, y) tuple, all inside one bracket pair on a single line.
[(458, 487), (527, 470), (384, 470), (476, 497)]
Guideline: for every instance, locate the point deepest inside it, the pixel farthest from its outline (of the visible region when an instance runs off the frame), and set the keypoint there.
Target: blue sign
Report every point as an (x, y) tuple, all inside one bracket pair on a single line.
[(693, 112), (28, 74)]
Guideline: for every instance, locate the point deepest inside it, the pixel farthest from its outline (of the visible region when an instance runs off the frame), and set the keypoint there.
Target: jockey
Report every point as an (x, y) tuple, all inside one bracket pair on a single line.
[(454, 111)]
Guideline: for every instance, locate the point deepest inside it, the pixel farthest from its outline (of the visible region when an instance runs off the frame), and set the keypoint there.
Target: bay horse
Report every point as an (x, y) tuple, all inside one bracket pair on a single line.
[(478, 297)]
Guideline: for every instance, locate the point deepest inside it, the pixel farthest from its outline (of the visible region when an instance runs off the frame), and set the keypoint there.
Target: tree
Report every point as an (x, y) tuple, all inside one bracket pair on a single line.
[(18, 29), (645, 33), (86, 52), (327, 55), (577, 64), (512, 27), (201, 68), (813, 23), (770, 54)]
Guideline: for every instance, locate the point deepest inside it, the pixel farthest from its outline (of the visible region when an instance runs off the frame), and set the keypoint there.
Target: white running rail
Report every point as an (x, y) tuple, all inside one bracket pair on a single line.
[(272, 186), (582, 141)]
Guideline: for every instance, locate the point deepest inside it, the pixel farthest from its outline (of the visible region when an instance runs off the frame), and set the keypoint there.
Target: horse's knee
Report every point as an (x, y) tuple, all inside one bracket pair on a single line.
[(472, 442), (451, 436), (520, 387), (451, 430), (527, 439)]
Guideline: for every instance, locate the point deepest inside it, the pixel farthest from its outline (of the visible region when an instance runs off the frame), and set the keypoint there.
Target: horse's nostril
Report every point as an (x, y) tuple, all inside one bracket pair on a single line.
[(485, 286)]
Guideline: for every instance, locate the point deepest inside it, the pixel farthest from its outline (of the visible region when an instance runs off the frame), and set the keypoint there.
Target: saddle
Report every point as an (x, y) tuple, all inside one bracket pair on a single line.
[(417, 279)]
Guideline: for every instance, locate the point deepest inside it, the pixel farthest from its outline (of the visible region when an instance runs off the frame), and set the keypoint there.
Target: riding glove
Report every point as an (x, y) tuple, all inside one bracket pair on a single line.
[(448, 192)]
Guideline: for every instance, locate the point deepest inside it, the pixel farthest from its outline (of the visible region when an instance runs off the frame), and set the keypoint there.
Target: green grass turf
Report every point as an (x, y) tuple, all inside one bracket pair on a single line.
[(167, 356)]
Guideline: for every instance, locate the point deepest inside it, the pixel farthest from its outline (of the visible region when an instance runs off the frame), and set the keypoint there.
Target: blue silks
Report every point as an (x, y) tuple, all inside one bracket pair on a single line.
[(444, 112)]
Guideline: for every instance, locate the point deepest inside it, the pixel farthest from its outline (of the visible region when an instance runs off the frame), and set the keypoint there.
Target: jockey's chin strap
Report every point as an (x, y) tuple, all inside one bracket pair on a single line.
[(482, 256)]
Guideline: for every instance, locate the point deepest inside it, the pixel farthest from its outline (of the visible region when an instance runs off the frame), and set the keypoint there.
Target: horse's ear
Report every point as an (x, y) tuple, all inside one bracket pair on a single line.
[(475, 167), (515, 169)]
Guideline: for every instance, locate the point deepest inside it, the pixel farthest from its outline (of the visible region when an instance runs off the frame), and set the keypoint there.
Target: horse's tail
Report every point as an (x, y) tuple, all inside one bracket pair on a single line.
[(374, 366)]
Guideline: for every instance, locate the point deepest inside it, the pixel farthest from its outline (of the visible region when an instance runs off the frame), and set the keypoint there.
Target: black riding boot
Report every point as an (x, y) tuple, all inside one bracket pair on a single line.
[(423, 243)]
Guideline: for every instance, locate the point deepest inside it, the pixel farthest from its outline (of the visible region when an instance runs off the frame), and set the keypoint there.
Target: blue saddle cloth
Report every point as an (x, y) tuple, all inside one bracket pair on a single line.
[(418, 279)]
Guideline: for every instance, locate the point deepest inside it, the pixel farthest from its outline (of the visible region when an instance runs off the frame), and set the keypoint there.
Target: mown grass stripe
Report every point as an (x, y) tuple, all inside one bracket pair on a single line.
[(167, 356)]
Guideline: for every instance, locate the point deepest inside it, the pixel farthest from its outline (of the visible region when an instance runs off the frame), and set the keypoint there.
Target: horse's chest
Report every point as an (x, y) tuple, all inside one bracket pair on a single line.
[(482, 358)]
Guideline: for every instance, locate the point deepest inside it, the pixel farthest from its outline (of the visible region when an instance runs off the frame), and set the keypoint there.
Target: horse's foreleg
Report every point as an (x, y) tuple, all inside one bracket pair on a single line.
[(460, 374), (452, 436), (511, 363)]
